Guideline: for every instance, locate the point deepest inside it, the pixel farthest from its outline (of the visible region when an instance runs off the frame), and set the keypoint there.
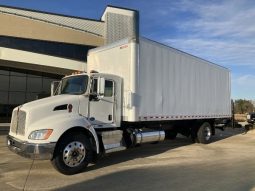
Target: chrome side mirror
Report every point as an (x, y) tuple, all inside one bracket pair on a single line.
[(100, 86)]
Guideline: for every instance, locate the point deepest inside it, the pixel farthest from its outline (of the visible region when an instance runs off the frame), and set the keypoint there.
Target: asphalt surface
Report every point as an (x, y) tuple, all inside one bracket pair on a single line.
[(228, 163)]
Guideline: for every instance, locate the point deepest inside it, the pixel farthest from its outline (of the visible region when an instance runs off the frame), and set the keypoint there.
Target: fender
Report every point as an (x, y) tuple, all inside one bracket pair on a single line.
[(93, 132), (60, 124)]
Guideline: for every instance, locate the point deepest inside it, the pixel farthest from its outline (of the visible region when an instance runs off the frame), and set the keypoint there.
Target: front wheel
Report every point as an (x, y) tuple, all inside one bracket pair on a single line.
[(204, 133), (72, 154)]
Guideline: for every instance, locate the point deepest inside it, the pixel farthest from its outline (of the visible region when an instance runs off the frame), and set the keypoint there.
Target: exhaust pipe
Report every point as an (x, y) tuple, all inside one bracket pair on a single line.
[(148, 136)]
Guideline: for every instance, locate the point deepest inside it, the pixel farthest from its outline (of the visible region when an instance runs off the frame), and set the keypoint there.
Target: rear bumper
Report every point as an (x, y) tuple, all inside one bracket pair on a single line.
[(31, 150)]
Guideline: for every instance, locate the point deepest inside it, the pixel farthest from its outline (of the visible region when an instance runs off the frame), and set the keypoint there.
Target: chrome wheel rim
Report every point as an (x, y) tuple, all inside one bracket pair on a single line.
[(208, 133), (74, 154)]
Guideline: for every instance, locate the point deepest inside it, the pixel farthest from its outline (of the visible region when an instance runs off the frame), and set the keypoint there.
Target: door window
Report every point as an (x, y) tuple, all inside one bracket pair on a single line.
[(108, 90)]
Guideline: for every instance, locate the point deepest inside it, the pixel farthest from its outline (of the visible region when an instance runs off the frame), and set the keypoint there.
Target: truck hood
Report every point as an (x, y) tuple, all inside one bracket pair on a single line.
[(51, 106), (50, 101)]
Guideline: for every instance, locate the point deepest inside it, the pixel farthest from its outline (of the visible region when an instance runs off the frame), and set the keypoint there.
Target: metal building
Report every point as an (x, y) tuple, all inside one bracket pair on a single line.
[(37, 48)]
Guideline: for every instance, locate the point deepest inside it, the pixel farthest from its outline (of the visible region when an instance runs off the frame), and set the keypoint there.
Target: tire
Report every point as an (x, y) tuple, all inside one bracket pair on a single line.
[(73, 154), (204, 133)]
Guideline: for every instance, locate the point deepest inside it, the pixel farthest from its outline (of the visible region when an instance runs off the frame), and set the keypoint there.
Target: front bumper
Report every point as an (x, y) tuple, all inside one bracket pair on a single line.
[(31, 150)]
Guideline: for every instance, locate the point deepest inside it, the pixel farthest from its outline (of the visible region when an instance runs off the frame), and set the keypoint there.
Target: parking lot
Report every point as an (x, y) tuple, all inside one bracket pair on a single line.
[(228, 163)]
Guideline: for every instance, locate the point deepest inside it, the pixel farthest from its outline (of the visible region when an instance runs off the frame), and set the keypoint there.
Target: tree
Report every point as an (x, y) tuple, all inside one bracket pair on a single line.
[(243, 106)]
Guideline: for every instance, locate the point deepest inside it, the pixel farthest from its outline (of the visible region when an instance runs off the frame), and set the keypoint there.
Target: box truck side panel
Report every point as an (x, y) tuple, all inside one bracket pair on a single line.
[(119, 59), (176, 85)]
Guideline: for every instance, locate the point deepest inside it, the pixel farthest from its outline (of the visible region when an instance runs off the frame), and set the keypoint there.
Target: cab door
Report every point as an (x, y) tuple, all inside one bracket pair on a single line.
[(101, 108)]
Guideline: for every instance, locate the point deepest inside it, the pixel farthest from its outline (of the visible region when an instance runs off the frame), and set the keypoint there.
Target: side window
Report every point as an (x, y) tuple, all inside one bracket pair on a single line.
[(108, 90)]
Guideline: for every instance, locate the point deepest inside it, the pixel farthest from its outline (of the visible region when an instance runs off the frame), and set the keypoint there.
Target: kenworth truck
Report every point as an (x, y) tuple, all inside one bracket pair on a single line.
[(135, 91)]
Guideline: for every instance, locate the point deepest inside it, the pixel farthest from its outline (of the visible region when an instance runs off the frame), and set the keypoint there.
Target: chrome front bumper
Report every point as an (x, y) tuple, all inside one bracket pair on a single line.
[(31, 150)]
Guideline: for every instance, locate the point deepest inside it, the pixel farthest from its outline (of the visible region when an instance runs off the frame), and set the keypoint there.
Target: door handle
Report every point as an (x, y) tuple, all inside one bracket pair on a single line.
[(110, 117)]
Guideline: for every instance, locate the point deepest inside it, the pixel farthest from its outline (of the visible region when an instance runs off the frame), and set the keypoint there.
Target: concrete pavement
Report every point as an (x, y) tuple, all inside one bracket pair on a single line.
[(226, 164)]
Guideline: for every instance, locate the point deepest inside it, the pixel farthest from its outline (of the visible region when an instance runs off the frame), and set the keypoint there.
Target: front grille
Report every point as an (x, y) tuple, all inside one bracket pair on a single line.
[(18, 122), (14, 121)]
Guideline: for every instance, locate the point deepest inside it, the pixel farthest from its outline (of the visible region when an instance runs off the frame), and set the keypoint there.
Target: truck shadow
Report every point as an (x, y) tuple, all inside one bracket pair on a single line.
[(142, 151), (228, 132), (171, 177), (148, 150)]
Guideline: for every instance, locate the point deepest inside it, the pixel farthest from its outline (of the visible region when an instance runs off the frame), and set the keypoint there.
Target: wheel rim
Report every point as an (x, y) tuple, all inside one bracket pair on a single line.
[(74, 154), (207, 133)]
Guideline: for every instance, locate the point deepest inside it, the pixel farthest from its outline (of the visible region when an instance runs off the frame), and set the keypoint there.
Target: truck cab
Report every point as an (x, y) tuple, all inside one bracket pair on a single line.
[(80, 104), (97, 94)]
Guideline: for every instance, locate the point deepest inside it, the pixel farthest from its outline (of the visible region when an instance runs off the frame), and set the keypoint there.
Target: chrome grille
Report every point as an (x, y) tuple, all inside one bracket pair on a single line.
[(18, 122), (14, 121)]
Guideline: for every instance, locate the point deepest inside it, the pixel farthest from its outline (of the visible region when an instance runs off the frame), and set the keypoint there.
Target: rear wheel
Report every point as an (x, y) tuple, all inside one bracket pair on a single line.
[(204, 133), (72, 154)]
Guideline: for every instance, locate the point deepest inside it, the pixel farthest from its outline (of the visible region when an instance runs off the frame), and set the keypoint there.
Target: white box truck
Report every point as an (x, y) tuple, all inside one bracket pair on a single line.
[(135, 91)]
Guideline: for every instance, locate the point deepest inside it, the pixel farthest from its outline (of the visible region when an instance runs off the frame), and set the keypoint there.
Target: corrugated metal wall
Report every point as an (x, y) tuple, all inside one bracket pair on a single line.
[(116, 25), (90, 26), (119, 26)]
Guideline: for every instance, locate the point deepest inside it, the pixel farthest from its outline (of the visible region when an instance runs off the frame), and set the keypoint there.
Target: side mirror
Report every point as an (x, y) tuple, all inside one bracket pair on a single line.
[(97, 90), (54, 87), (100, 86), (93, 97)]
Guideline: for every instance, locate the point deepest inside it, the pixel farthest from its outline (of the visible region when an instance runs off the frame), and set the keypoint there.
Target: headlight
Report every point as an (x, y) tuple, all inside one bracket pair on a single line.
[(42, 134)]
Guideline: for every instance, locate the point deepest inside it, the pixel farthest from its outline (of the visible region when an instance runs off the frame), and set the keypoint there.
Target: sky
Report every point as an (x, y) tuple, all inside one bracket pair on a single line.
[(220, 31)]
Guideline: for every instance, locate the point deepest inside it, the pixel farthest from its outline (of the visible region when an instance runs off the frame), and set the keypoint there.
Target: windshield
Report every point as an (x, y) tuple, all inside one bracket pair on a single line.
[(74, 85)]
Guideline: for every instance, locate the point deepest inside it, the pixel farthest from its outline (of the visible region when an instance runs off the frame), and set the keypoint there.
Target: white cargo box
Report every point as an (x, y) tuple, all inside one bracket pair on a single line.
[(162, 83)]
